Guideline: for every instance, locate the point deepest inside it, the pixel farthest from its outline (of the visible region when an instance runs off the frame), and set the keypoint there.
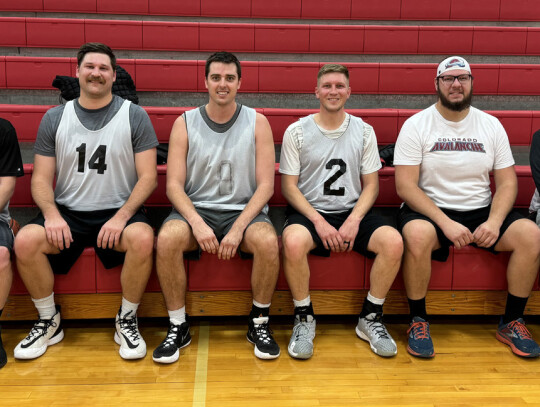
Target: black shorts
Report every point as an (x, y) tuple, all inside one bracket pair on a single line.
[(470, 219), (85, 227), (368, 225), (6, 236)]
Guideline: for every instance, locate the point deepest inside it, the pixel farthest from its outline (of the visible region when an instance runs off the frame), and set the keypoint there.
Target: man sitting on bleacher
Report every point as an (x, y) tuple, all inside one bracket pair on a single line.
[(102, 149), (443, 159), (220, 176), (329, 163), (11, 166), (534, 159)]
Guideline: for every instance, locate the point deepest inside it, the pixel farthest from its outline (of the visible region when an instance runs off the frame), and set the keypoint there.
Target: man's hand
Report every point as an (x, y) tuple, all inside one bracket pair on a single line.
[(329, 235), (58, 232), (205, 238), (486, 234), (110, 233), (458, 234), (229, 244), (348, 232)]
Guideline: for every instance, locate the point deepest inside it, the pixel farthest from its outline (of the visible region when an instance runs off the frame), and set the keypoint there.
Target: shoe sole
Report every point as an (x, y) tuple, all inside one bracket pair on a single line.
[(515, 350), (170, 359), (363, 336), (262, 355), (420, 355), (40, 351), (132, 354), (302, 356)]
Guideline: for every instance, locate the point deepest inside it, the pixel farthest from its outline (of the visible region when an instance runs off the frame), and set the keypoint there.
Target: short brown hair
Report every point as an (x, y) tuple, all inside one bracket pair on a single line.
[(333, 68), (96, 47)]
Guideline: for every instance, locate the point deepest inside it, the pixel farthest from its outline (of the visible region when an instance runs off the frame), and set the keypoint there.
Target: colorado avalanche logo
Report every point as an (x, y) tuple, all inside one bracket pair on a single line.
[(456, 62)]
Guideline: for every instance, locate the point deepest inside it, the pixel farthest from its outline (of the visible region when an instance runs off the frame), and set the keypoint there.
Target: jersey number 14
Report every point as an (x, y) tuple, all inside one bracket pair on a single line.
[(96, 162)]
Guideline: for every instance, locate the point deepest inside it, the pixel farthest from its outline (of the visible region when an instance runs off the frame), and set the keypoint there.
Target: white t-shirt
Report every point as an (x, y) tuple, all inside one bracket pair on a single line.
[(455, 158)]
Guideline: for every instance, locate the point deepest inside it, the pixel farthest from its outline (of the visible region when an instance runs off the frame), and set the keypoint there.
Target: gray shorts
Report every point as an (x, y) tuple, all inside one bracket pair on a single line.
[(220, 222), (6, 236)]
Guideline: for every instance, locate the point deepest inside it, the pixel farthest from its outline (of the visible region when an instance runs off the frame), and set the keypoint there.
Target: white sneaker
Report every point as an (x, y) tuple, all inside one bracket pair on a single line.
[(45, 332), (301, 343), (127, 335), (372, 329)]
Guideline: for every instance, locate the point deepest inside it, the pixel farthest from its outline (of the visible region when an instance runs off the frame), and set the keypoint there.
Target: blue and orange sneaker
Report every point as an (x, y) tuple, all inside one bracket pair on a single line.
[(420, 343), (516, 335)]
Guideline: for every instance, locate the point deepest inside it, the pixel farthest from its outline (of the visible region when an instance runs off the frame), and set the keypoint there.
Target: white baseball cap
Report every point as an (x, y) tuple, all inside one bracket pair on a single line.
[(453, 63)]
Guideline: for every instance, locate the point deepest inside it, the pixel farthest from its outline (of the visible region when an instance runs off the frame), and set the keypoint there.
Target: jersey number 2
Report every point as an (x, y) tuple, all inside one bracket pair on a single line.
[(96, 162), (328, 183)]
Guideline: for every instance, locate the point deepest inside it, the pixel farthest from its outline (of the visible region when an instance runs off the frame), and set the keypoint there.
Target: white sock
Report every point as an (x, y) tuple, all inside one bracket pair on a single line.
[(127, 307), (302, 303), (45, 307), (375, 300), (178, 316), (259, 305)]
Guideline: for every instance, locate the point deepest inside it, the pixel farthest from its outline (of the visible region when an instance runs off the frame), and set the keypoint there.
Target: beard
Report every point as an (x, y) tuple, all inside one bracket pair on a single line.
[(456, 106)]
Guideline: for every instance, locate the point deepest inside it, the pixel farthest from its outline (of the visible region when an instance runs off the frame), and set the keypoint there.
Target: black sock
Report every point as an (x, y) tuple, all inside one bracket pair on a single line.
[(257, 312), (417, 308), (370, 308), (307, 310), (515, 307)]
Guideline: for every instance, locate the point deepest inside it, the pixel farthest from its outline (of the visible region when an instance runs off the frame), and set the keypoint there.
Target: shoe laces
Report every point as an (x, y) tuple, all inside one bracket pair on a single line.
[(303, 329), (40, 328), (420, 330), (128, 325), (519, 329), (376, 325), (264, 333), (172, 335)]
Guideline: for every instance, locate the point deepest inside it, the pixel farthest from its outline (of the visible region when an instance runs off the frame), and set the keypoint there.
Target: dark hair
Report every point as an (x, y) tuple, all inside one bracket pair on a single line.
[(96, 47), (223, 57), (332, 68)]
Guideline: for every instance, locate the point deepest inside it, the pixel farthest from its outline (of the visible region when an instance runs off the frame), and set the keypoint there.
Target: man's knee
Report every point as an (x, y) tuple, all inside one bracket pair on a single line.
[(5, 258), (419, 236), (261, 239), (297, 243), (139, 239), (174, 236), (30, 240), (522, 235), (387, 242)]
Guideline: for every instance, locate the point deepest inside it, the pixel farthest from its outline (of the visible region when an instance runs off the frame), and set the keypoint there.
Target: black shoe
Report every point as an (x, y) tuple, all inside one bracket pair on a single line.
[(3, 355), (178, 337), (260, 334)]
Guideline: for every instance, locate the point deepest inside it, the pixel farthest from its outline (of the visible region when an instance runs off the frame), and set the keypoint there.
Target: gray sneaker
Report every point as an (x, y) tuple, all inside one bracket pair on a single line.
[(372, 329), (301, 343)]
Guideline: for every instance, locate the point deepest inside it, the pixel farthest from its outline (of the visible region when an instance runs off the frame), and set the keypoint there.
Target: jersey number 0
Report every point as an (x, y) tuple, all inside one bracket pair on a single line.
[(96, 162)]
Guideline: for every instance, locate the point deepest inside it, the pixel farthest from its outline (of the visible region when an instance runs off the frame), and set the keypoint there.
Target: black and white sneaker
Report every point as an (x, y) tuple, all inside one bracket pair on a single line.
[(44, 333), (127, 335), (3, 355), (260, 334), (178, 337)]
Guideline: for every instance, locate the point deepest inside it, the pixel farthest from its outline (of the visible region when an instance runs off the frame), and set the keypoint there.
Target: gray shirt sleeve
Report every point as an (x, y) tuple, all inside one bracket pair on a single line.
[(46, 136), (143, 134)]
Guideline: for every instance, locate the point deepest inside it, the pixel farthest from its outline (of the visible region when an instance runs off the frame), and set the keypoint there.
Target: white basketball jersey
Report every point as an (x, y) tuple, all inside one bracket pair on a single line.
[(94, 169), (331, 168)]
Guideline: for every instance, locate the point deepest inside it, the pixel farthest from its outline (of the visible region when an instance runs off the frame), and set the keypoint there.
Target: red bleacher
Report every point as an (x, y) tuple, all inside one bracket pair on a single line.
[(280, 38), (456, 10), (276, 76)]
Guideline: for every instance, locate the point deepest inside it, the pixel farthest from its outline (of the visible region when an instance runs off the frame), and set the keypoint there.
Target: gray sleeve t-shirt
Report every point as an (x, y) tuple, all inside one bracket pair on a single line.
[(143, 135)]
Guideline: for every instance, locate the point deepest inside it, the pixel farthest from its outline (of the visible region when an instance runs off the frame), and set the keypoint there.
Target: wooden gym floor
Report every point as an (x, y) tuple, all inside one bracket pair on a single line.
[(471, 368)]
